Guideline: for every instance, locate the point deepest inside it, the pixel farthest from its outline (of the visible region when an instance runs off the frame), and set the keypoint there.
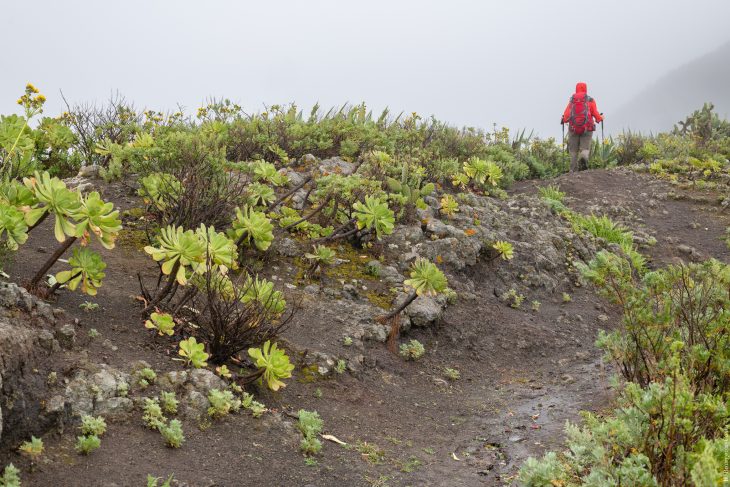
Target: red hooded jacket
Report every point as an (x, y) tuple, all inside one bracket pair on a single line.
[(583, 88)]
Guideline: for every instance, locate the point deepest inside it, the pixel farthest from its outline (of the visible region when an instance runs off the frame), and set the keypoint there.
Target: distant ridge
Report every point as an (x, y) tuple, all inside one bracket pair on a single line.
[(678, 93)]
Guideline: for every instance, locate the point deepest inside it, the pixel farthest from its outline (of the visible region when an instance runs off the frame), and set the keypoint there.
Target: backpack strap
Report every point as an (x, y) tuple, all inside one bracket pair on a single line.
[(572, 109)]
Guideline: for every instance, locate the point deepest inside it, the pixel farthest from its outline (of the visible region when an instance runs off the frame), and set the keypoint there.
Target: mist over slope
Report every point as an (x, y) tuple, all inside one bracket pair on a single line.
[(678, 93)]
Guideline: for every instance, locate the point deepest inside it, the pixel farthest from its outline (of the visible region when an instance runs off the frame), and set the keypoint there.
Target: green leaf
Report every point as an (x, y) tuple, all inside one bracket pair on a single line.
[(56, 198), (193, 353), (160, 189), (17, 194), (162, 322), (98, 217), (254, 226), (12, 222), (262, 291), (394, 185), (260, 194), (426, 278), (266, 171), (15, 134), (428, 189), (87, 269), (504, 249), (483, 172), (375, 215), (178, 246), (322, 255), (220, 249), (275, 363), (449, 206)]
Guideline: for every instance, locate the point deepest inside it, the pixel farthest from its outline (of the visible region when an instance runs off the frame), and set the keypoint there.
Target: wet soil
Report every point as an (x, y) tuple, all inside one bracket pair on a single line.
[(523, 373)]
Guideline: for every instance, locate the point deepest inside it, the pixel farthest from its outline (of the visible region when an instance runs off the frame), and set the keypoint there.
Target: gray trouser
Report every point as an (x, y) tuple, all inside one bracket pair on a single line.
[(579, 147)]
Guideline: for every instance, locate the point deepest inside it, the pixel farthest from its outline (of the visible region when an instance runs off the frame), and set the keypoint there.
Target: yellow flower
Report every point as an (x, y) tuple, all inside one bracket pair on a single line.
[(20, 101), (29, 87), (40, 99)]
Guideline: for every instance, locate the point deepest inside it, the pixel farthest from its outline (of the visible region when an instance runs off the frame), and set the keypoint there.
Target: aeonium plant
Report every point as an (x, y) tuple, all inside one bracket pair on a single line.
[(220, 250), (76, 216), (87, 271), (185, 256), (374, 215), (273, 364), (319, 257), (426, 280), (54, 197), (98, 217), (253, 228), (13, 226), (178, 250)]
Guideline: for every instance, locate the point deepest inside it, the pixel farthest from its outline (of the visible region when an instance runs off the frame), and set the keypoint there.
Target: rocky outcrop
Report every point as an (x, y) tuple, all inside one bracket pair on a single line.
[(32, 335), (98, 390)]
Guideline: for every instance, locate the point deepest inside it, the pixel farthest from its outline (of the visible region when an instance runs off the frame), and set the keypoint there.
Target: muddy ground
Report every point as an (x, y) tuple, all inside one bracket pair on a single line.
[(523, 373)]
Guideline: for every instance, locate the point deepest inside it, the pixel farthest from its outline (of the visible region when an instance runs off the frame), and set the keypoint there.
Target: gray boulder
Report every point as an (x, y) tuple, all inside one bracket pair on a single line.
[(336, 165), (204, 380), (287, 247), (386, 272), (97, 392), (440, 229), (425, 310), (406, 235)]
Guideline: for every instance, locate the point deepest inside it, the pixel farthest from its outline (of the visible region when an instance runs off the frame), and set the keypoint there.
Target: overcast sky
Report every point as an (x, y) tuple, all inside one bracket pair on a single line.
[(468, 62)]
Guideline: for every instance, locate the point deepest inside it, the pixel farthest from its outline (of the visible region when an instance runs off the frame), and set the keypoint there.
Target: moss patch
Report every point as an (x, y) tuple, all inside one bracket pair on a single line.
[(310, 373), (132, 238), (135, 213), (384, 301), (355, 266)]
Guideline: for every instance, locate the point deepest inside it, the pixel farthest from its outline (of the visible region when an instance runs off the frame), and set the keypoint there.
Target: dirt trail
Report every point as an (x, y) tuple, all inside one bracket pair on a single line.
[(523, 374), (677, 218)]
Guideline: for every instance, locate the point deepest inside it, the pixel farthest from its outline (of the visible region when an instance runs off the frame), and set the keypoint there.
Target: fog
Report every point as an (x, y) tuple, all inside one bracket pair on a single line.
[(468, 62)]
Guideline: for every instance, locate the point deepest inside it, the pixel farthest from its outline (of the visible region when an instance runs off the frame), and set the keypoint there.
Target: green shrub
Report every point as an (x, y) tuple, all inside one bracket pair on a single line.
[(146, 374), (92, 426), (222, 403), (603, 227), (152, 414), (33, 449), (168, 402), (413, 350), (678, 303), (153, 481), (173, 433), (87, 444), (310, 445), (10, 477), (257, 409), (310, 425), (551, 193), (670, 423), (664, 434), (452, 374)]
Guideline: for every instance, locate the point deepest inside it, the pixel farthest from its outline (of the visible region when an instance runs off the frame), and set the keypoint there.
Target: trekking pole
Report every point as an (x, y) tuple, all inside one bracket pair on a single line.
[(562, 126), (602, 141)]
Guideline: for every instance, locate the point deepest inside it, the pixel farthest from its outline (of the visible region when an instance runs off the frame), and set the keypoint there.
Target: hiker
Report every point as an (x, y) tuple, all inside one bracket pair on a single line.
[(580, 115)]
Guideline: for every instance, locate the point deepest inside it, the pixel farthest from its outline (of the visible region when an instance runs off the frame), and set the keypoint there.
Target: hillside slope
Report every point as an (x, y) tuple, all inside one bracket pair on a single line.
[(678, 93)]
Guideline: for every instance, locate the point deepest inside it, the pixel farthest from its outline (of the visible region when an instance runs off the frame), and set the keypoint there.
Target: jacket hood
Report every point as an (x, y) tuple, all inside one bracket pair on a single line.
[(581, 88)]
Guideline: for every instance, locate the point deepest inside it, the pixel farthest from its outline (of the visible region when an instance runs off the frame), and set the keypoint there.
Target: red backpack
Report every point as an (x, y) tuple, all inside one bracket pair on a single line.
[(580, 114)]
